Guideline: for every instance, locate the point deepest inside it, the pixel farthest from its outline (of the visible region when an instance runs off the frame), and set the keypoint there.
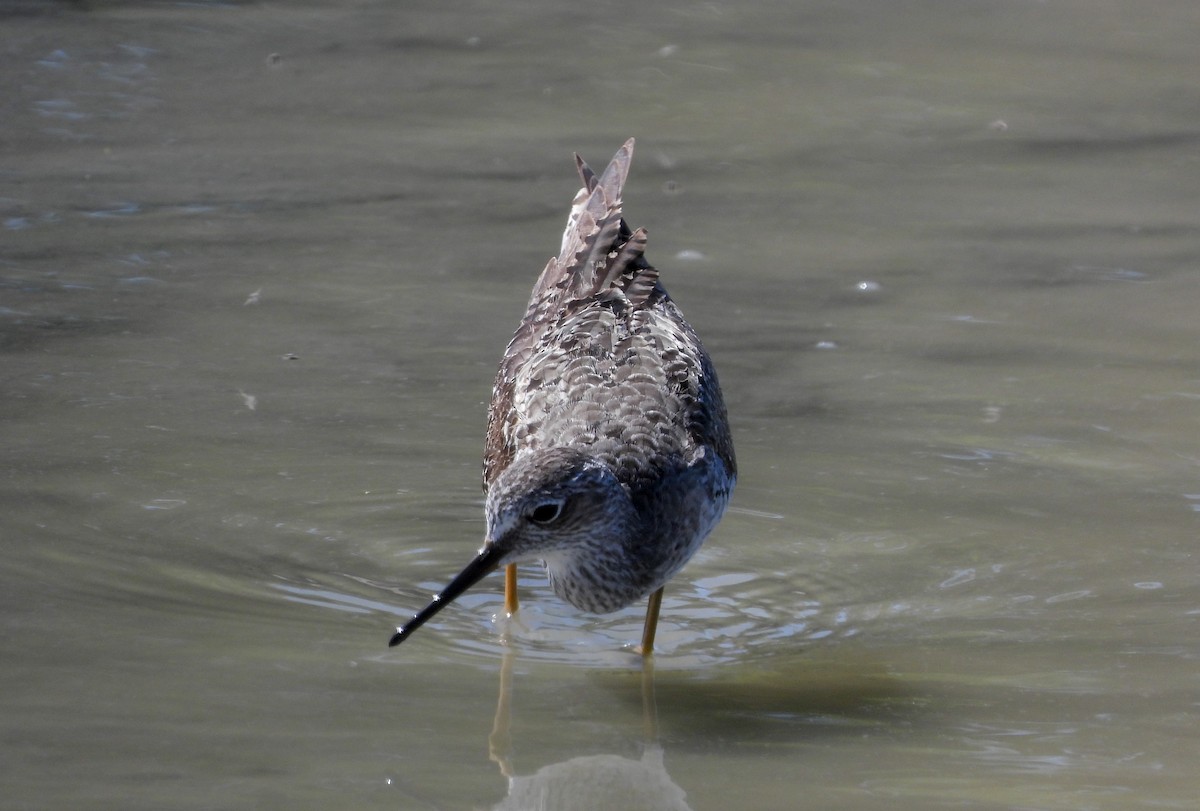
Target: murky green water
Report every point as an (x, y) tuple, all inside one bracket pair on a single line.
[(257, 265)]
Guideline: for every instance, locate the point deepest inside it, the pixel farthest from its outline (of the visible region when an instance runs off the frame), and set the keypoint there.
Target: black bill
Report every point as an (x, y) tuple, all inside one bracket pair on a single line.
[(486, 562)]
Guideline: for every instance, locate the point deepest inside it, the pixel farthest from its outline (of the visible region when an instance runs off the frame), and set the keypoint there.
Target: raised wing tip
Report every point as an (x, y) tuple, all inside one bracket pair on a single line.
[(585, 173), (613, 179), (618, 168)]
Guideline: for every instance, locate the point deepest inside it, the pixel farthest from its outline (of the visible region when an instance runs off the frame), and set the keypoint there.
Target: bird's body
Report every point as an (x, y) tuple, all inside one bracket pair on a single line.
[(608, 453)]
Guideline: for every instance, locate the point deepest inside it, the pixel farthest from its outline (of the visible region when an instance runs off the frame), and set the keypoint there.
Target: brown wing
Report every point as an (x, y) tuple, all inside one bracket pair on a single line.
[(592, 226), (603, 357)]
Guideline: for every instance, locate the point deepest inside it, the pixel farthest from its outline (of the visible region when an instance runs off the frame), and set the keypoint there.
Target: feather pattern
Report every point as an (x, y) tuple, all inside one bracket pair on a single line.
[(603, 356)]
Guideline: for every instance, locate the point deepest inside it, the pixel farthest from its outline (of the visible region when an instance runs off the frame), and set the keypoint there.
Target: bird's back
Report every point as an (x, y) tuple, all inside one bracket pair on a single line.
[(603, 360)]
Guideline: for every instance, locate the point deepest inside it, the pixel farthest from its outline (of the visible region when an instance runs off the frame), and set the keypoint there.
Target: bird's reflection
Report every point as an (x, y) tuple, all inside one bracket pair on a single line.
[(591, 781)]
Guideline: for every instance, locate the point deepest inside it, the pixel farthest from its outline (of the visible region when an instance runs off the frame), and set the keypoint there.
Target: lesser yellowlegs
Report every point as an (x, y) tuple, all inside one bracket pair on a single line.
[(608, 454)]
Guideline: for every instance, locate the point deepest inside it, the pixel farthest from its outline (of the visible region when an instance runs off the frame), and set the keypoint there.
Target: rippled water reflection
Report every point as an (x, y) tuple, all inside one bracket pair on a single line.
[(257, 265)]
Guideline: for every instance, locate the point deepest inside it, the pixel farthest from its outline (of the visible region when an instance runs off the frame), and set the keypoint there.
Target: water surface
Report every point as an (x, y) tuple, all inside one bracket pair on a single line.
[(258, 263)]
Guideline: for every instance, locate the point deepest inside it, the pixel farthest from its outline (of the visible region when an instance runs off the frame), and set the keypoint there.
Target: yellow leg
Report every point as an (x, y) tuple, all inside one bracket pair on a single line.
[(510, 589), (651, 626)]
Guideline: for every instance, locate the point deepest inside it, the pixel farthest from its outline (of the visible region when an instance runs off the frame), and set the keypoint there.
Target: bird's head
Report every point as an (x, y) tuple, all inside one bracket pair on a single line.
[(559, 505), (555, 504)]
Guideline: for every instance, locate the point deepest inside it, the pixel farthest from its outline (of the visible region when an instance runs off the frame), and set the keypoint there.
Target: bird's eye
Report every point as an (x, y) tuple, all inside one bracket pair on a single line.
[(546, 512)]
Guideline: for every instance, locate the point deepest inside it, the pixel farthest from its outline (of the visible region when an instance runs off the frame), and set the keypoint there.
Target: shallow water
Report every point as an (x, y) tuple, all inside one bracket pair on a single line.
[(257, 265)]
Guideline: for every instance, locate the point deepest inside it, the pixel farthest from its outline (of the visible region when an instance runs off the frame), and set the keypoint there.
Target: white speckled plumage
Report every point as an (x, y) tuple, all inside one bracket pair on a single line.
[(608, 454)]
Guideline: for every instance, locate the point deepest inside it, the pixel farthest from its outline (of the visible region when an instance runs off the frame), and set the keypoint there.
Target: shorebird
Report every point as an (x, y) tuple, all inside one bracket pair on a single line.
[(608, 455)]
